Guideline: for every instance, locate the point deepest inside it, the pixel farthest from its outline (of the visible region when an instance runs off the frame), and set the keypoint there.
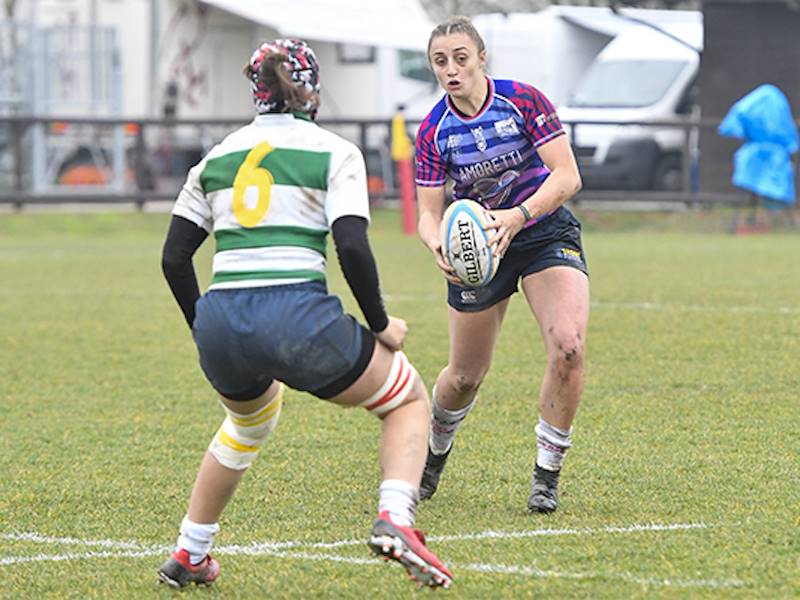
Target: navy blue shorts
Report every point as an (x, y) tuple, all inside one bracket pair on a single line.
[(298, 334), (554, 241)]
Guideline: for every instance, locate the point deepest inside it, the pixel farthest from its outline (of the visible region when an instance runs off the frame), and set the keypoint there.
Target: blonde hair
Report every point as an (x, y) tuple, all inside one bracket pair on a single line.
[(457, 25)]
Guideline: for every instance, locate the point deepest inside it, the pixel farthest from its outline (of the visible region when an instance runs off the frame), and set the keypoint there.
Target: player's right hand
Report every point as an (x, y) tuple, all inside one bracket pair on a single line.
[(394, 336), (434, 244)]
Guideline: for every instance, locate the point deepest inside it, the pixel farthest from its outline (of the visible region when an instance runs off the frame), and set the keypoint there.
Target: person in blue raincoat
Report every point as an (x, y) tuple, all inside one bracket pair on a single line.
[(763, 165)]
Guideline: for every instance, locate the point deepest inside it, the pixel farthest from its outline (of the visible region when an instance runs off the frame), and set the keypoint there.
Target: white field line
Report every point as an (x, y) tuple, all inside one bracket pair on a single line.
[(628, 577), (505, 535), (784, 310), (642, 306), (68, 541), (271, 547), (484, 535), (127, 549), (15, 560), (495, 569), (654, 306)]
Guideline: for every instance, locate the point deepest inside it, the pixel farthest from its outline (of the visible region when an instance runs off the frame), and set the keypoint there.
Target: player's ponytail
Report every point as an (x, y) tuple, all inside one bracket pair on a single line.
[(274, 77)]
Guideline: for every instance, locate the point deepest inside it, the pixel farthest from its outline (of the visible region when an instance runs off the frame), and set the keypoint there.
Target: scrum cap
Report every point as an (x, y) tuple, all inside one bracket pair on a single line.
[(301, 65)]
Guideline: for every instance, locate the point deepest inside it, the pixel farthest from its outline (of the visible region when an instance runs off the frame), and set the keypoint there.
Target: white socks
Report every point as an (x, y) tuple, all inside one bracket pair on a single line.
[(197, 538), (399, 498), (444, 424), (552, 444)]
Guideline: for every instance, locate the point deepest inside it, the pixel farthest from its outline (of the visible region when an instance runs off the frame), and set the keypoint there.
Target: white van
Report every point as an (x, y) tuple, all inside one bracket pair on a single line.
[(641, 75)]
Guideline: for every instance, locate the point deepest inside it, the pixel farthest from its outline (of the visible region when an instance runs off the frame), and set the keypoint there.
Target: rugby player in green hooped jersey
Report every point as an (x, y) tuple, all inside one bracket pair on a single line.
[(269, 193)]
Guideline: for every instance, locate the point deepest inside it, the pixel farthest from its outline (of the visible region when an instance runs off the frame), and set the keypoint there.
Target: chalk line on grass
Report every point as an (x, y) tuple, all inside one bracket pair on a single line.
[(132, 549)]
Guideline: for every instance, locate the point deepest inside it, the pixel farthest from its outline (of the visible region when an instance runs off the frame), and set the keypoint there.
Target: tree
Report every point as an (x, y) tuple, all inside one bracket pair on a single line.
[(440, 10)]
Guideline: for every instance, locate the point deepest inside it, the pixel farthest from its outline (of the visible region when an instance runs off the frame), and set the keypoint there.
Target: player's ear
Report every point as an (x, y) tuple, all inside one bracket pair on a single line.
[(482, 59)]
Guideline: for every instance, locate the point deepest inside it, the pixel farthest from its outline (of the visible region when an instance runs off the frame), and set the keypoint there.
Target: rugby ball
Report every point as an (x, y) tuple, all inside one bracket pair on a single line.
[(465, 233)]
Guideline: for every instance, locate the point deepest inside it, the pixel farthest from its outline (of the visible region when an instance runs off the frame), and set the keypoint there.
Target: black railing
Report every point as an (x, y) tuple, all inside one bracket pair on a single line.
[(148, 141)]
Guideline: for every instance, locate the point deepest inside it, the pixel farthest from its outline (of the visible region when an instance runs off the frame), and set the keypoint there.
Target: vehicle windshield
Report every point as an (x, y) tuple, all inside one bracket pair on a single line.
[(626, 83)]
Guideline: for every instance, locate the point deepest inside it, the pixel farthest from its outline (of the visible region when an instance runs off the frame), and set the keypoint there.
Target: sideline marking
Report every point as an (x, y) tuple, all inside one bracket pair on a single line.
[(624, 576), (783, 310), (733, 309), (489, 534), (67, 541), (270, 547), (15, 560), (129, 549), (498, 569)]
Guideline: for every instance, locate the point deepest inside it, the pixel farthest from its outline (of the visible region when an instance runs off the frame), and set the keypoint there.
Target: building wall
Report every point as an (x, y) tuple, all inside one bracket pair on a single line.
[(129, 18), (201, 50), (746, 44), (349, 90)]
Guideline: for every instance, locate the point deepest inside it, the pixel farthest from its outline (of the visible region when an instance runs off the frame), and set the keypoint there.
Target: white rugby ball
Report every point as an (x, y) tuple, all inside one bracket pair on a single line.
[(465, 243)]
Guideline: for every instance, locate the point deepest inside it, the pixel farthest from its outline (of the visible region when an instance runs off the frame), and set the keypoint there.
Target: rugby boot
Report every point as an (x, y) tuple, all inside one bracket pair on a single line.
[(544, 491), (178, 571), (406, 546), (434, 465)]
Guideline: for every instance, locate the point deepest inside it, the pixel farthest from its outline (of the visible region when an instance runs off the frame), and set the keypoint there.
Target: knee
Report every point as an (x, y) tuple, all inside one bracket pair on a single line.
[(567, 350), (466, 381), (241, 436)]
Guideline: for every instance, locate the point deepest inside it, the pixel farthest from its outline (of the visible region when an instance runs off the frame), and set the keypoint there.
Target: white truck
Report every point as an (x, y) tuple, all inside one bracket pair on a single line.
[(604, 67), (641, 75), (550, 49)]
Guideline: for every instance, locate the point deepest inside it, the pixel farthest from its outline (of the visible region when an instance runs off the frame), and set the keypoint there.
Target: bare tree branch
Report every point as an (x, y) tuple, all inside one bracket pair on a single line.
[(10, 5), (439, 10)]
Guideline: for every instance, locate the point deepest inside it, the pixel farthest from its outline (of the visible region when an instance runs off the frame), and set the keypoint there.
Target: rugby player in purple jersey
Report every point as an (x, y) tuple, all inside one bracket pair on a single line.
[(500, 142)]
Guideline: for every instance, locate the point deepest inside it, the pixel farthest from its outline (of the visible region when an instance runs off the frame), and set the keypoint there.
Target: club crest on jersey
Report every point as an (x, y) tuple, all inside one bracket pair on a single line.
[(480, 139), (506, 128), (454, 144)]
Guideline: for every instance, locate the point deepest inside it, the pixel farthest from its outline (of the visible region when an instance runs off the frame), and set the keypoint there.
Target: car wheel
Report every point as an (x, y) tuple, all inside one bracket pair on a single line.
[(668, 174)]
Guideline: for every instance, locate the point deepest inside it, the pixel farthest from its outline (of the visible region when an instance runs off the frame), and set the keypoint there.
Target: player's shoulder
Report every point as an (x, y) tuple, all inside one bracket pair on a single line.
[(306, 135), (513, 89), (325, 140), (235, 141), (229, 143), (434, 117)]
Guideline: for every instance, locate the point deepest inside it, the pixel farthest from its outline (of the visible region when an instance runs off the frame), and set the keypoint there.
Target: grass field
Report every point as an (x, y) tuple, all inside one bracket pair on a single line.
[(683, 480)]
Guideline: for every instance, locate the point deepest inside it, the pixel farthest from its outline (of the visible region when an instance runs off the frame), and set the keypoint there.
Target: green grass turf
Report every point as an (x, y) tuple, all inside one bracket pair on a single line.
[(690, 416)]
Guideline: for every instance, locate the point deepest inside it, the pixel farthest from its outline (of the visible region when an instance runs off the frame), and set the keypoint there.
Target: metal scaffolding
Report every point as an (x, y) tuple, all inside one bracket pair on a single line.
[(69, 70)]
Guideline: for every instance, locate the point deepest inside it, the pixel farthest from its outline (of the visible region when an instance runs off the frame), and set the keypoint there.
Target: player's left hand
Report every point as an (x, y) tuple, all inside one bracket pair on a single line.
[(394, 335), (506, 223)]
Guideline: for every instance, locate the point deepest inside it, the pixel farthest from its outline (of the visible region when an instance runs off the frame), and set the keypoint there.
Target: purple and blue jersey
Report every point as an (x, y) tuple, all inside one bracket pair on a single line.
[(491, 157)]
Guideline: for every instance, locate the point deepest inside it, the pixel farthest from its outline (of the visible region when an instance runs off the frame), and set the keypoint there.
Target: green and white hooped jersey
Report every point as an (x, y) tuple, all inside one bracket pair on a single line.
[(269, 193)]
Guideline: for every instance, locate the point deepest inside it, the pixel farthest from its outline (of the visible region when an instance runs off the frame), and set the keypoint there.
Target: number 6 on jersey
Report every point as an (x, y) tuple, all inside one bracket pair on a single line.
[(251, 174)]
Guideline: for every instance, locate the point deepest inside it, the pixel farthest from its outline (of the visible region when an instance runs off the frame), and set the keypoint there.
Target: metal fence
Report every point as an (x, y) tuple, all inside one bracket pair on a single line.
[(59, 69), (157, 154)]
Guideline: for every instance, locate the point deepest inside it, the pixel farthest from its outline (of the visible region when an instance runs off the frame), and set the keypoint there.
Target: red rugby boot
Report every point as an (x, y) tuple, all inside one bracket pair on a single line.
[(407, 546)]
